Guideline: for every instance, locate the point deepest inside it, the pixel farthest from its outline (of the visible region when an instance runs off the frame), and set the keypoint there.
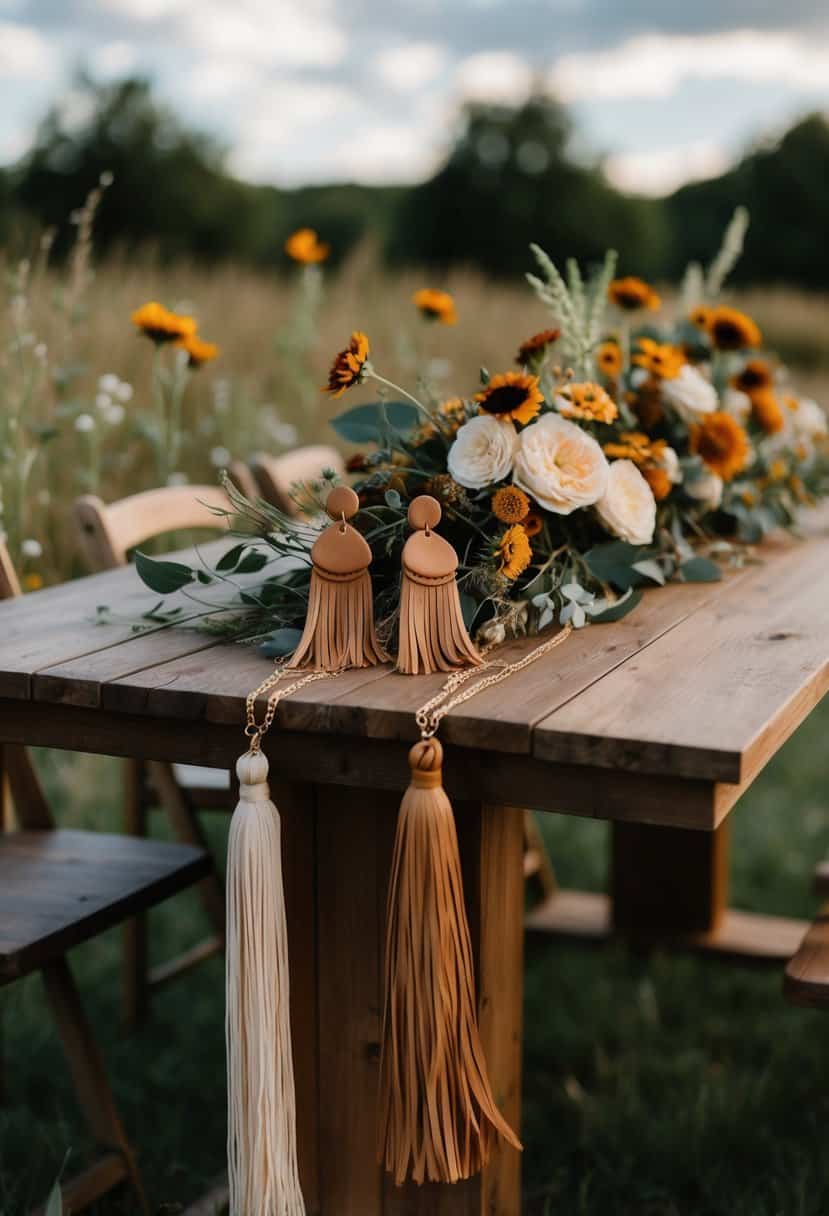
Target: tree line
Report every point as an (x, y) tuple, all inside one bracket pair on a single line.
[(511, 178)]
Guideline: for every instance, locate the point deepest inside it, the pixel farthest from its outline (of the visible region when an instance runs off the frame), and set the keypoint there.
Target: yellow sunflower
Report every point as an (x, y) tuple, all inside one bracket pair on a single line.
[(510, 505), (305, 246), (436, 305), (731, 329), (587, 401), (658, 480), (766, 411), (536, 347), (609, 359), (198, 351), (721, 443), (349, 366), (632, 294), (659, 359), (160, 324), (514, 552), (514, 395), (756, 376)]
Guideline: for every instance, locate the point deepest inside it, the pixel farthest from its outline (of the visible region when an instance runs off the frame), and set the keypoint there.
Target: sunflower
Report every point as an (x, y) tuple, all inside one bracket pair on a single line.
[(158, 323), (533, 524), (632, 293), (658, 480), (510, 505), (436, 305), (305, 246), (731, 329), (198, 351), (754, 377), (701, 316), (609, 359), (513, 552), (660, 359), (535, 348), (349, 366), (722, 443), (514, 395), (587, 401), (766, 411)]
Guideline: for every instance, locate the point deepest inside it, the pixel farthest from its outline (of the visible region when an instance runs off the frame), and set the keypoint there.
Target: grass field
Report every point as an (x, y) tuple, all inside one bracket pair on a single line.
[(666, 1087)]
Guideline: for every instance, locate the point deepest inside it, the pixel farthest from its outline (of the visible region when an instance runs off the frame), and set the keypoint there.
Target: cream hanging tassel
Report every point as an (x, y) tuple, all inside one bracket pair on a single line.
[(438, 1119), (261, 1143)]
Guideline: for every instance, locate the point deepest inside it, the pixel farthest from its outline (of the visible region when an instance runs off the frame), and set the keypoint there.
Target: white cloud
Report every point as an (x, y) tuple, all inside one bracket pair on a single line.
[(500, 76), (663, 169), (654, 65), (412, 66), (387, 153), (265, 32), (113, 59), (143, 10), (282, 119), (24, 53)]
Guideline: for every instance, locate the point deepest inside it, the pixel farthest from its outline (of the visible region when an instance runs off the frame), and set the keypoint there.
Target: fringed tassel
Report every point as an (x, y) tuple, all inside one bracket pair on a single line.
[(262, 1157), (339, 628), (438, 1118), (433, 635)]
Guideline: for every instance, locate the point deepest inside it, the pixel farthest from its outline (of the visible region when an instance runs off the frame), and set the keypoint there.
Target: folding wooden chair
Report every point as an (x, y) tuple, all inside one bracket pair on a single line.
[(108, 533), (806, 978), (275, 475), (61, 888)]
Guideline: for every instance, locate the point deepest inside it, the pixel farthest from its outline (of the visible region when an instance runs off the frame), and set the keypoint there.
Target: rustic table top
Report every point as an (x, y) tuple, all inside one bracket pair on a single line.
[(697, 688)]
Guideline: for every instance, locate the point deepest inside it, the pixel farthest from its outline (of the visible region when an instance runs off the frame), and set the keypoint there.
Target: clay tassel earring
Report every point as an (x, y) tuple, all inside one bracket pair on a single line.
[(339, 628), (433, 636)]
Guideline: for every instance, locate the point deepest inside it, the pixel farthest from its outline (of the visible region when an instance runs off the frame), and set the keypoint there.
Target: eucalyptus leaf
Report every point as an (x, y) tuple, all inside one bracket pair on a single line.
[(393, 499), (252, 562), (280, 642), (228, 560), (614, 563), (650, 569), (162, 576), (370, 423), (625, 604), (700, 570), (54, 1204)]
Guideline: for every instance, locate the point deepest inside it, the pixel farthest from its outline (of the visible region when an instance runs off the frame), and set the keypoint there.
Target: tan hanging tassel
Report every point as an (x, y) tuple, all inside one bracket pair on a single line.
[(261, 1141), (433, 636), (437, 1118), (339, 626)]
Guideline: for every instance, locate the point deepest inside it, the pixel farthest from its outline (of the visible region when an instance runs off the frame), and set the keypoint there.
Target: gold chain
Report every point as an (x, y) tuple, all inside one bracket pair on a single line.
[(255, 730), (430, 715)]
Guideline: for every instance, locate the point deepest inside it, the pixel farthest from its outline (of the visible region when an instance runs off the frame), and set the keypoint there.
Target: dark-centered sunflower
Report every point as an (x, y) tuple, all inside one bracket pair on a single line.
[(162, 325), (514, 395), (721, 443), (731, 329), (632, 294), (535, 348)]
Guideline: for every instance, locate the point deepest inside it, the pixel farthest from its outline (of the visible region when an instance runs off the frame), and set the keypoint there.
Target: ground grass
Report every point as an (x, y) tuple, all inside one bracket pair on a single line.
[(661, 1087)]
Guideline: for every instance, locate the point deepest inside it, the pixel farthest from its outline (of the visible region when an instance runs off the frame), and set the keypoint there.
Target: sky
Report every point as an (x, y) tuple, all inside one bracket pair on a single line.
[(307, 91)]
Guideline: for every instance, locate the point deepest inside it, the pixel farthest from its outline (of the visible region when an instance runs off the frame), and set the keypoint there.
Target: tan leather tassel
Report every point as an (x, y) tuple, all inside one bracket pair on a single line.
[(433, 636), (339, 626), (438, 1117)]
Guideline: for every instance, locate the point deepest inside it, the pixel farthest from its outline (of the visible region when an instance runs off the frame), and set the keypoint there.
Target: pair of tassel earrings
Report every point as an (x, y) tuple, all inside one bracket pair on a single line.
[(339, 629), (438, 1119)]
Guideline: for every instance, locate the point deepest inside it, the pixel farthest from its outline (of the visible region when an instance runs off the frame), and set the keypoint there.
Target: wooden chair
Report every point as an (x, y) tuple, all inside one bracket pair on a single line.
[(108, 533), (275, 475), (61, 888), (806, 978)]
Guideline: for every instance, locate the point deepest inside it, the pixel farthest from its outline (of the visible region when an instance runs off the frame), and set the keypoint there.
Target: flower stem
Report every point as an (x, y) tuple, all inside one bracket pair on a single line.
[(390, 384)]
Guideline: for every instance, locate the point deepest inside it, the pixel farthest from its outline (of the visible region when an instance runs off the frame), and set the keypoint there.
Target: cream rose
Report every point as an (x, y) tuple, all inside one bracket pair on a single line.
[(560, 465), (483, 452), (628, 508), (669, 461), (690, 393), (809, 420), (706, 489)]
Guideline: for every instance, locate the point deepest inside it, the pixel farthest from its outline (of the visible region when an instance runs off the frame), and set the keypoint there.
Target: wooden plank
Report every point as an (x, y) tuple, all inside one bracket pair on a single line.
[(668, 881), (806, 978), (482, 776), (720, 693), (745, 937)]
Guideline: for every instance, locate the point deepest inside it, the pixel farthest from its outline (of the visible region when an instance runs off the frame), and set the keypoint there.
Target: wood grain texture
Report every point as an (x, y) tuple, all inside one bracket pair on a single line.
[(806, 978)]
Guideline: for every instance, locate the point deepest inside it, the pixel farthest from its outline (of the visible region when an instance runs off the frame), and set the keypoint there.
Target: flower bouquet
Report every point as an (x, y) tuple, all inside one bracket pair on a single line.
[(622, 451)]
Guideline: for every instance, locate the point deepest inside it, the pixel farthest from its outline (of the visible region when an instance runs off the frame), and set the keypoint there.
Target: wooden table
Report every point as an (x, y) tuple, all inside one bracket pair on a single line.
[(658, 723)]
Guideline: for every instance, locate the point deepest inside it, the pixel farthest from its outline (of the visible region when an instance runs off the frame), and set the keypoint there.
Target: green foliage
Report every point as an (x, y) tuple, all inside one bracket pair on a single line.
[(163, 577), (372, 423)]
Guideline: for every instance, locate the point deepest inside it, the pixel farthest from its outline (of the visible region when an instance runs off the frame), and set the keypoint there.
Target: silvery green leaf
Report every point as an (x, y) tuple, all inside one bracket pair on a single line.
[(650, 569), (546, 617), (579, 618), (567, 612), (540, 601)]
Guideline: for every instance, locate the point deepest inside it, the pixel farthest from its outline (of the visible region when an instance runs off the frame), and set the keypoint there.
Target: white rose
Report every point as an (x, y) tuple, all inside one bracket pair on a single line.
[(809, 420), (736, 403), (690, 393), (483, 452), (560, 465), (628, 507), (706, 489)]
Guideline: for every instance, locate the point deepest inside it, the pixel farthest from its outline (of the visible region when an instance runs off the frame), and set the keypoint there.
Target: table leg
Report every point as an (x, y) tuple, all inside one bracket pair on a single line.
[(337, 846), (667, 882)]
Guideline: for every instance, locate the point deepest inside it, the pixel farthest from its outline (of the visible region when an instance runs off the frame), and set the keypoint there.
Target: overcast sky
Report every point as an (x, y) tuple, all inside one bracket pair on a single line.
[(325, 90)]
